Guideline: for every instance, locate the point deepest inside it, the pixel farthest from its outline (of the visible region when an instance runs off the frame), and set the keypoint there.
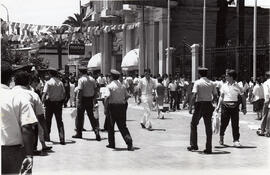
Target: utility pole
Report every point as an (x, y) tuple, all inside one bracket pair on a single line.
[(204, 33), (254, 40)]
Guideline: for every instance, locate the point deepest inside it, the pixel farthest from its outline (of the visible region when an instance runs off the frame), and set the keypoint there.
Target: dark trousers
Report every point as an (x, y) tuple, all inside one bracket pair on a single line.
[(118, 116), (265, 118), (202, 109), (55, 107), (41, 131), (86, 105), (228, 113), (173, 100), (12, 158)]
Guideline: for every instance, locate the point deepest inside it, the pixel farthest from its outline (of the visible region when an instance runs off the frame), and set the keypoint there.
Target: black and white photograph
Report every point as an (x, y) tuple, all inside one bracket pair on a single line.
[(135, 87)]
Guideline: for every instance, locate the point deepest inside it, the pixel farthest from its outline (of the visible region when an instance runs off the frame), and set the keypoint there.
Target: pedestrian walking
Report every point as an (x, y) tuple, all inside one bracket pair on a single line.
[(72, 93), (85, 101), (54, 94), (117, 104), (265, 125), (17, 122), (231, 95), (203, 92), (173, 94), (146, 86), (258, 98), (160, 97)]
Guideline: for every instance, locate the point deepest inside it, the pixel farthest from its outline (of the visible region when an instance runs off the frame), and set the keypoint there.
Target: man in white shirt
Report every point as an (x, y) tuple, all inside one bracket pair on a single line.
[(147, 85), (17, 122)]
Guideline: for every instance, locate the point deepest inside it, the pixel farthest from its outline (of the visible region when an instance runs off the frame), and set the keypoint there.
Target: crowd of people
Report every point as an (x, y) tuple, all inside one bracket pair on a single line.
[(33, 97)]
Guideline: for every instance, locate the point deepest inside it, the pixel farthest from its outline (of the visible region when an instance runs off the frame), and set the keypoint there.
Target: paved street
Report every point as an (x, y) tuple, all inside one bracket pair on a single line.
[(161, 151)]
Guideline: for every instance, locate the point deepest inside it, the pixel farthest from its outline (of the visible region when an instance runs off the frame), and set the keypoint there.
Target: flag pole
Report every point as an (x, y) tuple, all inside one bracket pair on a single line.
[(204, 25), (254, 40)]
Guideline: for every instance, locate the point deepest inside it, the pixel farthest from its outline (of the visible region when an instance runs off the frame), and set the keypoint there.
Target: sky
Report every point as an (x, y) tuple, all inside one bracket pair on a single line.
[(54, 12)]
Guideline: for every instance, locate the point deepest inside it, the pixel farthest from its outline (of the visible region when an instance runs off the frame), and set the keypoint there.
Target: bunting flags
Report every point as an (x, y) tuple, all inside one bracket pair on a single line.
[(22, 31)]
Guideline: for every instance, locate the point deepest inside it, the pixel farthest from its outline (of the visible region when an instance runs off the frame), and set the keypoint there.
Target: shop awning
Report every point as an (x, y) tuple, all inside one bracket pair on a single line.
[(131, 60), (95, 62)]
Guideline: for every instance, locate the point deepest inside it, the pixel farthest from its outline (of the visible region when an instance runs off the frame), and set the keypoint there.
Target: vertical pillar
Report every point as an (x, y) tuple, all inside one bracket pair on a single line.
[(129, 40), (194, 61), (142, 42), (107, 53), (101, 50), (124, 43), (162, 45)]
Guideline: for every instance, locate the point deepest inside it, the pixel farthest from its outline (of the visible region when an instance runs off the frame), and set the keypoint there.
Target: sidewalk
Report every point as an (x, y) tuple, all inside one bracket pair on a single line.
[(162, 150)]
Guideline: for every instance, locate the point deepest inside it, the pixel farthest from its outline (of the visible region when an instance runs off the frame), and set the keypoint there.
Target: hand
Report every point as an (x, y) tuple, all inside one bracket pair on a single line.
[(244, 111), (27, 165)]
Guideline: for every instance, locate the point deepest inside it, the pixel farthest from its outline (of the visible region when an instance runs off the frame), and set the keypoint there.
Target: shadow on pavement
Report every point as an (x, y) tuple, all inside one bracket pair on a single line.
[(125, 149), (67, 142), (215, 152), (240, 147), (94, 139), (153, 129)]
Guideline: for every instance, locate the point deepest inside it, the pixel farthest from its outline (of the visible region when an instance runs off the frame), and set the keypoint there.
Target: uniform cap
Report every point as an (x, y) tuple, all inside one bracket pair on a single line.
[(115, 72), (202, 69)]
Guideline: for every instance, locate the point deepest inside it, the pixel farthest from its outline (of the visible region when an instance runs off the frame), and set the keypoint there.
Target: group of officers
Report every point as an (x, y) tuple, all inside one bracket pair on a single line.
[(22, 110)]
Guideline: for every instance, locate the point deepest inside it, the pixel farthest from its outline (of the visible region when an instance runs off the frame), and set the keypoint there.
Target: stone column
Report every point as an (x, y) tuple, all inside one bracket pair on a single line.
[(194, 61), (162, 45), (107, 53), (142, 42), (101, 48)]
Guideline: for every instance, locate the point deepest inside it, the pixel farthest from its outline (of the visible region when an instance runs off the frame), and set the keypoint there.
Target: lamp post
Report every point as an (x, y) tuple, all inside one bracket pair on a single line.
[(254, 40), (7, 14), (204, 25), (168, 40)]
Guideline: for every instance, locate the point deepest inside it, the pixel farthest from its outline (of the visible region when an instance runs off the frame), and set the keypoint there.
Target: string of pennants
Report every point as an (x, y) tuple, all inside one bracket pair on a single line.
[(21, 31)]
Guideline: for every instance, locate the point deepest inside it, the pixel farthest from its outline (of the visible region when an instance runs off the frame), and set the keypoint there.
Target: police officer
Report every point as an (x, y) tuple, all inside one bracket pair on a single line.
[(86, 96), (203, 92), (117, 99), (54, 94)]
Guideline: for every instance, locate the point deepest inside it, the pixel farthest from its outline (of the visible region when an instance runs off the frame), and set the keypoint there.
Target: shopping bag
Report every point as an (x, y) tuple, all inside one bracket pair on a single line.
[(74, 113), (215, 123)]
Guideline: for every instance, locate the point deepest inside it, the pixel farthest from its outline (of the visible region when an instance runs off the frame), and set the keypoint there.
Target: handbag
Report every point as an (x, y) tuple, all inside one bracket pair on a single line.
[(215, 123)]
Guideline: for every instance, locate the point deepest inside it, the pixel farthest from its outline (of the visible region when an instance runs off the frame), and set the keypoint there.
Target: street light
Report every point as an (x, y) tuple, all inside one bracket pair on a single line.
[(7, 14), (204, 25)]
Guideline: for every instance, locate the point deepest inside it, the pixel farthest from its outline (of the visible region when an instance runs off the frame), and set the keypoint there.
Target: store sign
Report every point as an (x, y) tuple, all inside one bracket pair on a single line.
[(76, 49)]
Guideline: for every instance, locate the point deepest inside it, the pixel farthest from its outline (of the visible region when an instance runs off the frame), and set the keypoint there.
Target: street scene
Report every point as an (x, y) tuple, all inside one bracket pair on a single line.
[(135, 86)]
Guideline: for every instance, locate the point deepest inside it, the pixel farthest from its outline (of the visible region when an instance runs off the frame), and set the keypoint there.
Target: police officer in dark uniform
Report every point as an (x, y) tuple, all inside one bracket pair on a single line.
[(117, 104), (86, 96), (203, 92)]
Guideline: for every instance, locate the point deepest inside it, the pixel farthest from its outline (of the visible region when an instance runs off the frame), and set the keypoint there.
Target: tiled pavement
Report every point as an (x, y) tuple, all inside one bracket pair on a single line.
[(161, 151)]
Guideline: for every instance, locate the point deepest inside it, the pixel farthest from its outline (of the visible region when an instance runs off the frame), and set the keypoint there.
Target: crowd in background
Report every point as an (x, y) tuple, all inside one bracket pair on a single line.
[(168, 93)]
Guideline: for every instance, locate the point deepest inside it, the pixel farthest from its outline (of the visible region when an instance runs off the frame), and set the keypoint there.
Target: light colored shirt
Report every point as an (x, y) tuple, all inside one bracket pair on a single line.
[(54, 89), (231, 91), (266, 87), (205, 89), (33, 98), (117, 93), (16, 111), (258, 92), (101, 80), (87, 85), (146, 86), (172, 86)]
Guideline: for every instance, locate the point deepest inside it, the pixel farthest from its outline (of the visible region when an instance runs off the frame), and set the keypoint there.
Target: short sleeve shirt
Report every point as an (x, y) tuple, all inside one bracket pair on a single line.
[(204, 88), (16, 111), (117, 93), (231, 91), (258, 92), (146, 86), (87, 85), (55, 89)]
